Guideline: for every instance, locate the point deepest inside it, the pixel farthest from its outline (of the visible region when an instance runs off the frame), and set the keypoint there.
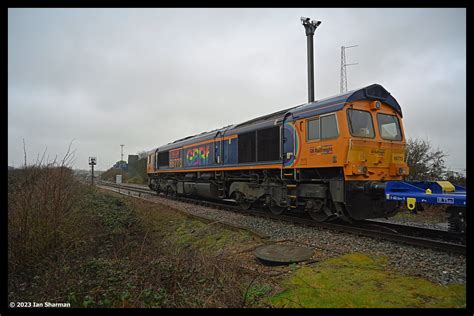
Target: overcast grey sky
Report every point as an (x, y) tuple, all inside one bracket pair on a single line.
[(145, 77)]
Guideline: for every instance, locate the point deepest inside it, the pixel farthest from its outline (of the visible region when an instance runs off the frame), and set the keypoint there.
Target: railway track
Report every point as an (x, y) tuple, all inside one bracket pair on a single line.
[(416, 236)]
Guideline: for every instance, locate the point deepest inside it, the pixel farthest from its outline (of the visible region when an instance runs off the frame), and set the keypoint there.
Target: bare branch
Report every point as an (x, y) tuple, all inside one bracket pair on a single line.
[(42, 158), (68, 155)]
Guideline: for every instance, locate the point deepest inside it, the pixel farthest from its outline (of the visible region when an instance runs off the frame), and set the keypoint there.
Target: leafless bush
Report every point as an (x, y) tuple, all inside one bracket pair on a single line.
[(41, 197)]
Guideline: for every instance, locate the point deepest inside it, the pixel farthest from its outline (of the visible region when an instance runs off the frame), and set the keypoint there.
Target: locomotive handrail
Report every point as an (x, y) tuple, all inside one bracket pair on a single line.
[(349, 148)]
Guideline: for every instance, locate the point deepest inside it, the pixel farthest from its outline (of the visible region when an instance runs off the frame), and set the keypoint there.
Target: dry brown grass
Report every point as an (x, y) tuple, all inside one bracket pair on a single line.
[(188, 262)]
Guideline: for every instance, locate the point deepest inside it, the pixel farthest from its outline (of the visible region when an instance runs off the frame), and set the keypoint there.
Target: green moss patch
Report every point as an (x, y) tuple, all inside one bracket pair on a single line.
[(356, 280)]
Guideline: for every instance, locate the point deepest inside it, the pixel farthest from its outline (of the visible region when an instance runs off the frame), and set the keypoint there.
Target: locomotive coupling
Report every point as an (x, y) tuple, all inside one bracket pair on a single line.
[(374, 188)]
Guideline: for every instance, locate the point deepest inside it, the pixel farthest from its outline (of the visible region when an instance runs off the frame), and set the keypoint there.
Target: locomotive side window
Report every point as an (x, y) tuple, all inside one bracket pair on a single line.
[(324, 127), (268, 144), (246, 147), (163, 159), (313, 129), (329, 127), (389, 127), (360, 123)]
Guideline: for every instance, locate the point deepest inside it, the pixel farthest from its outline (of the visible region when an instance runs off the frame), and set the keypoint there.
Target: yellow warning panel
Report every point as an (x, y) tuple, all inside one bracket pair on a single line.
[(411, 202)]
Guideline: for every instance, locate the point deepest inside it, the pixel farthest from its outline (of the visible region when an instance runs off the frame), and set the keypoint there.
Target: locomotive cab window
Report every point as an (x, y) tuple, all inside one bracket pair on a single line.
[(360, 123), (324, 127), (313, 129), (389, 127), (328, 127)]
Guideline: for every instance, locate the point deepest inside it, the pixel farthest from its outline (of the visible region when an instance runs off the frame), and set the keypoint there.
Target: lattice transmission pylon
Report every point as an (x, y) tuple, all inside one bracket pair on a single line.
[(343, 83)]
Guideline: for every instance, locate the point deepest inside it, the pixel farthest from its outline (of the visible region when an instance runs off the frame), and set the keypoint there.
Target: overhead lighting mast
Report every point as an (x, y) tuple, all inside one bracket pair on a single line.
[(343, 84), (310, 28)]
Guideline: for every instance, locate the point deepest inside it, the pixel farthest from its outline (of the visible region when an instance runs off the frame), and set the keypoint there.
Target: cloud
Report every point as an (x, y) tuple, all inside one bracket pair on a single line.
[(145, 77)]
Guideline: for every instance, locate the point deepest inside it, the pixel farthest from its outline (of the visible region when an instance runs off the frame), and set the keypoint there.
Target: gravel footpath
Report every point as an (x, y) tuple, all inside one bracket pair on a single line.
[(440, 267)]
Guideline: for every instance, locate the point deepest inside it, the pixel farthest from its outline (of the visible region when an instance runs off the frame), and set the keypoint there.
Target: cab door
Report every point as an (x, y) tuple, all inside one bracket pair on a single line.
[(218, 148), (156, 160), (288, 142)]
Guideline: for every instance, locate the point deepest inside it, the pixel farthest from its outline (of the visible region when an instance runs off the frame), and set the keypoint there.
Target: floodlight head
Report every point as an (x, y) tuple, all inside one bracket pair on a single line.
[(304, 19), (310, 26)]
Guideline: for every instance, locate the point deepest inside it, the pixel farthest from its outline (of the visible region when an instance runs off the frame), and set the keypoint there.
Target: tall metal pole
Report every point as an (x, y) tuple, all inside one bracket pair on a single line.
[(310, 27), (92, 174), (311, 88)]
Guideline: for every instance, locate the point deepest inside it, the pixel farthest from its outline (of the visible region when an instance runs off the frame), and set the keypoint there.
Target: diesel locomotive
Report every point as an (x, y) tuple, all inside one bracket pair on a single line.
[(330, 158)]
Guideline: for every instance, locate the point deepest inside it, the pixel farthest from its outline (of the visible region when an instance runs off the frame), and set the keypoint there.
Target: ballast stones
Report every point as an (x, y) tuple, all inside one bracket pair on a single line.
[(282, 254)]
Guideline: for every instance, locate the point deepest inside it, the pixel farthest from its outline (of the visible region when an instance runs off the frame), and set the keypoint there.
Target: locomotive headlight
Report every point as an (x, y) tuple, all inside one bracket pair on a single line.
[(401, 171), (376, 105), (361, 169)]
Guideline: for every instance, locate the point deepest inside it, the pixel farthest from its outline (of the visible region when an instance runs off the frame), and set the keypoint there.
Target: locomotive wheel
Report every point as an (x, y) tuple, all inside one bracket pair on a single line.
[(319, 216), (170, 193), (275, 209), (240, 199), (316, 210), (245, 205)]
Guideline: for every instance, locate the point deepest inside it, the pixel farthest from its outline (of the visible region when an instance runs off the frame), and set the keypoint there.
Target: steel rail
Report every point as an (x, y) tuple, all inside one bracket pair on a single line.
[(396, 233)]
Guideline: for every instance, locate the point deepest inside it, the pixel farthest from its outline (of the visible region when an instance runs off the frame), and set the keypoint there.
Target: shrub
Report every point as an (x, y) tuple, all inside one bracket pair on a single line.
[(42, 218)]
